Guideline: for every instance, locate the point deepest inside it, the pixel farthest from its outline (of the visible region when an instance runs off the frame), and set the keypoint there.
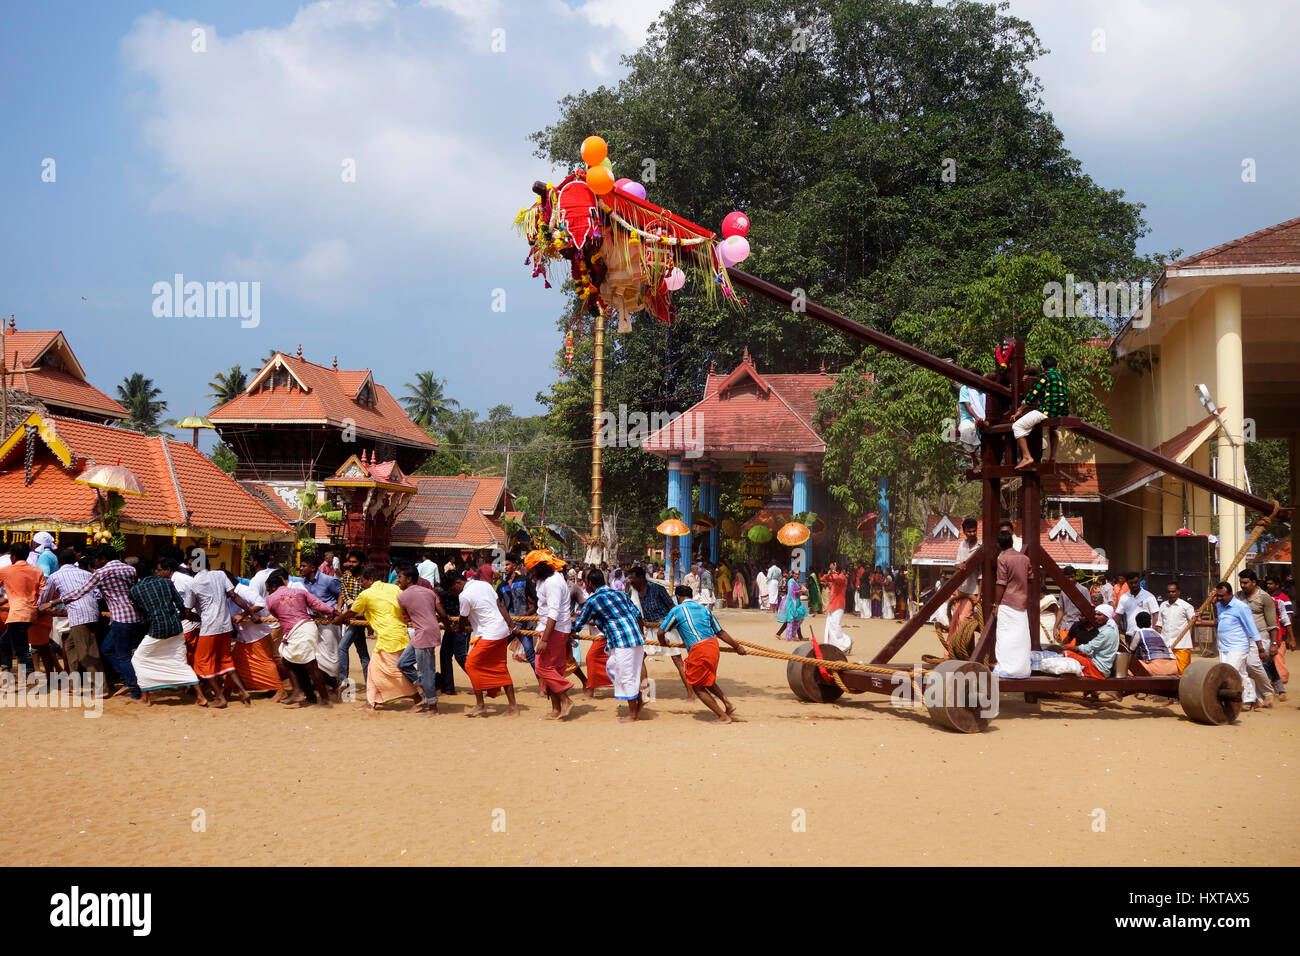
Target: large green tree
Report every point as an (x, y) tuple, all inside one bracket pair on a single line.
[(886, 151), (143, 406)]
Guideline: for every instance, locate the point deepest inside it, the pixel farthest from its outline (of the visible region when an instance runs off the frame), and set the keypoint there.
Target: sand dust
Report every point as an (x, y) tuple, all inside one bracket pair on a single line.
[(858, 783)]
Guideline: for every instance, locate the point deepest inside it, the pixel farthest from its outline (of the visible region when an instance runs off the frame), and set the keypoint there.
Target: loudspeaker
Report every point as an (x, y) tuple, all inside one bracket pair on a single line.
[(1161, 553), (1192, 554)]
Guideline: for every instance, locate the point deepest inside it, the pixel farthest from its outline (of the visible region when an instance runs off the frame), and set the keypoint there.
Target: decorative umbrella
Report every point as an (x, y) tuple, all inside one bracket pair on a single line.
[(793, 533), (703, 523), (112, 478), (867, 526), (759, 534), (730, 529), (673, 528), (195, 422)]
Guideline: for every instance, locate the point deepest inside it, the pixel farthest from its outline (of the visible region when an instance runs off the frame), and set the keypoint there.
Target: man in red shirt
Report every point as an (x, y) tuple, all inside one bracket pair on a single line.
[(22, 583), (836, 583)]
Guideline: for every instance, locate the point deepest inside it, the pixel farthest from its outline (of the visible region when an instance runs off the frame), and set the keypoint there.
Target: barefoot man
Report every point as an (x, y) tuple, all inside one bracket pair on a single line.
[(555, 620), (699, 631), (377, 606), (292, 608), (490, 629), (619, 620)]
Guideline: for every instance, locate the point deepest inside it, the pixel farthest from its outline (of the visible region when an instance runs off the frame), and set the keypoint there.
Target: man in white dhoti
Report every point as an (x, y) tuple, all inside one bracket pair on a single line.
[(159, 662), (773, 587), (760, 585), (1011, 648)]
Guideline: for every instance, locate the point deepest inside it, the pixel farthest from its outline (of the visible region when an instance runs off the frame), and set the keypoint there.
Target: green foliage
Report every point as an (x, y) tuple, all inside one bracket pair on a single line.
[(223, 456), (425, 401), (1268, 463), (887, 418), (144, 408), (227, 385), (886, 159)]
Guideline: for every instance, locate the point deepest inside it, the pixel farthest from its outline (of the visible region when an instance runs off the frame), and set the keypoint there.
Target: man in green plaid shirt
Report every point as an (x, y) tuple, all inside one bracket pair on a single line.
[(1049, 398)]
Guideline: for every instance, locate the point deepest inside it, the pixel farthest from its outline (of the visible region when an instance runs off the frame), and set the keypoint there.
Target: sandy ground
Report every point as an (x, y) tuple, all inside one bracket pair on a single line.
[(859, 782)]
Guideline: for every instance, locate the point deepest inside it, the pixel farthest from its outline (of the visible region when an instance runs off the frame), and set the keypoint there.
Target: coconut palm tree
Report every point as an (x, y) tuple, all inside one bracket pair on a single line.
[(425, 402), (227, 385), (140, 397)]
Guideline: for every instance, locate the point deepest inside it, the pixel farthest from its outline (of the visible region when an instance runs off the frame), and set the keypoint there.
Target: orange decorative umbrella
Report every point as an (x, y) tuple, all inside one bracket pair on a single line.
[(793, 533), (112, 478), (673, 528)]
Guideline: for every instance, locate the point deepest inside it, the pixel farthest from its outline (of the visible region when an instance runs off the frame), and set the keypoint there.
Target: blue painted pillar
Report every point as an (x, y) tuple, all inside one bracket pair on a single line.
[(715, 514), (882, 525), (798, 504), (685, 506), (674, 501)]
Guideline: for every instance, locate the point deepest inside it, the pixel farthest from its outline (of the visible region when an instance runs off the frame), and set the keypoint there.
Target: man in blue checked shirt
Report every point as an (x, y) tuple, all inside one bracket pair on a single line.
[(617, 618), (699, 631), (1237, 631)]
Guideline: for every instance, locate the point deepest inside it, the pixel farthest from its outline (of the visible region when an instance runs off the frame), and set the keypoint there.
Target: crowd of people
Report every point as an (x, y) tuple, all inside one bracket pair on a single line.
[(1253, 625), (146, 625)]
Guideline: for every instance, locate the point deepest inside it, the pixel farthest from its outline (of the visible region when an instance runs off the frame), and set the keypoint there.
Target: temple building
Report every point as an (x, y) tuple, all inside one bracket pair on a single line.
[(1208, 365), (1062, 538), (297, 421), (749, 422), (42, 365), (188, 500)]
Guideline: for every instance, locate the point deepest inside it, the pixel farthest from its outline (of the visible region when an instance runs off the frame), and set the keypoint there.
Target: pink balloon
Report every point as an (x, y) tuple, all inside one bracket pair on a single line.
[(622, 183), (735, 224), (735, 250), (635, 189), (674, 280)]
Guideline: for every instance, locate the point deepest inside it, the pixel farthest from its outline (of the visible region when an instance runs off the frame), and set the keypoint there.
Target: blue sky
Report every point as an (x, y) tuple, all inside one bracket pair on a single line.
[(226, 164)]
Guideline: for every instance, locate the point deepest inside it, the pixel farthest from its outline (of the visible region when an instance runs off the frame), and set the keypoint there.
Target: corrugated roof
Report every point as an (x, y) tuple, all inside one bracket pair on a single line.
[(451, 512)]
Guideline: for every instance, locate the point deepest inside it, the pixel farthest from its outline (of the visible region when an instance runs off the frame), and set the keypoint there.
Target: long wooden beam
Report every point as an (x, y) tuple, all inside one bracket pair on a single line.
[(1170, 467), (880, 340), (924, 612)]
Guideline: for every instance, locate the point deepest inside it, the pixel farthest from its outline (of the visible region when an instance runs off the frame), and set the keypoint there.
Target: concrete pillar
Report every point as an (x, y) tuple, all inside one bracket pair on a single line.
[(1150, 498), (686, 508), (1202, 505), (1173, 491), (674, 501), (799, 504), (883, 525), (1229, 393)]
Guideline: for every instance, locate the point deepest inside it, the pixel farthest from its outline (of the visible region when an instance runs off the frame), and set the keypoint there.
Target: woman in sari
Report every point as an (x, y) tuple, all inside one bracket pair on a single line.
[(792, 612), (723, 580), (739, 589), (877, 592), (814, 595)]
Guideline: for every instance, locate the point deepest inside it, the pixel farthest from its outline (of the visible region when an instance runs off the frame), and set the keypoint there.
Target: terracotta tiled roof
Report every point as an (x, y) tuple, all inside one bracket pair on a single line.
[(749, 411), (178, 480), (1179, 448), (1063, 543), (327, 397), (41, 363), (1275, 246), (1279, 552), (450, 513)]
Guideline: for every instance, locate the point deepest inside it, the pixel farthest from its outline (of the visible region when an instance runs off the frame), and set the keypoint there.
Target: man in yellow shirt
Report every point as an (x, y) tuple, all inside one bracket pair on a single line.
[(377, 606)]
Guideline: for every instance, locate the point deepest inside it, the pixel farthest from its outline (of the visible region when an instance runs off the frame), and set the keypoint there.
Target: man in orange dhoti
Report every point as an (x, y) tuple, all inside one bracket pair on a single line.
[(254, 662), (699, 631), (490, 630), (378, 607), (555, 620)]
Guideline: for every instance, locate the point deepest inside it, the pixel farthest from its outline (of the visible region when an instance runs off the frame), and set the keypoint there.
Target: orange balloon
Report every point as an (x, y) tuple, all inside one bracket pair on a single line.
[(594, 150), (600, 179)]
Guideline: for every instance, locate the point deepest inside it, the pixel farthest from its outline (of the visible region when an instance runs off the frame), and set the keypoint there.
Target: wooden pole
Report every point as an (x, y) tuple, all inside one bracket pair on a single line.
[(597, 408), (4, 382)]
